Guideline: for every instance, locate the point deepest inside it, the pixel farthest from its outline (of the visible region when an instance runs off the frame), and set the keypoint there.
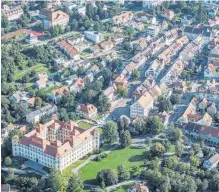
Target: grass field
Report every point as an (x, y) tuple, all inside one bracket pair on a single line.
[(84, 125), (122, 188), (129, 157), (67, 172), (48, 90), (38, 68)]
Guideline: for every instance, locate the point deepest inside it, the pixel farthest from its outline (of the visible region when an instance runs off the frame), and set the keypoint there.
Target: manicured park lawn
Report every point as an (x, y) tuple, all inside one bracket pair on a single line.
[(38, 68), (129, 157), (84, 125), (67, 172)]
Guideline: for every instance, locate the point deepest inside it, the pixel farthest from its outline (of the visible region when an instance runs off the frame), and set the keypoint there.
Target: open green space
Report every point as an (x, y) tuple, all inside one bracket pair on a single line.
[(84, 125), (123, 188), (38, 68), (48, 90), (67, 172), (130, 156)]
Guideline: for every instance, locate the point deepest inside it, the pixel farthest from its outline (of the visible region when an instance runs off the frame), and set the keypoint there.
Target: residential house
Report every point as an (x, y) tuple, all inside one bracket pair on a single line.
[(40, 84), (214, 21), (123, 18), (88, 111), (42, 76), (31, 39), (191, 49), (23, 98), (77, 85), (116, 29), (210, 134), (155, 69), (173, 73), (121, 80), (213, 43), (212, 109), (35, 116), (94, 36), (56, 144), (214, 54), (89, 78), (94, 69), (57, 94), (75, 39), (152, 30), (212, 70), (140, 44), (12, 13), (117, 38), (137, 25), (110, 93), (212, 162), (203, 104), (69, 50), (193, 32), (53, 3), (142, 106), (187, 20), (171, 36), (53, 18), (164, 25), (152, 4), (179, 86), (81, 10), (138, 187), (164, 117), (106, 45), (168, 14), (129, 68), (59, 63)]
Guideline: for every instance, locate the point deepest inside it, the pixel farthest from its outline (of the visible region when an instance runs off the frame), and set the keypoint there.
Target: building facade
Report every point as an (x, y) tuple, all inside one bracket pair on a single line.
[(56, 144)]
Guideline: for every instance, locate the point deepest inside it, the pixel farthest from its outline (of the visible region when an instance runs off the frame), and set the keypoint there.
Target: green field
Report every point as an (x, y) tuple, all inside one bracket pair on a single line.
[(67, 172), (48, 90), (84, 125), (18, 74), (122, 188), (129, 157)]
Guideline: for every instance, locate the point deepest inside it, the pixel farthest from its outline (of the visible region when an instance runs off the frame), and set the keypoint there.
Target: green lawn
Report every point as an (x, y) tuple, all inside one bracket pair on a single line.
[(67, 172), (48, 90), (38, 68), (84, 125), (122, 188), (129, 157)]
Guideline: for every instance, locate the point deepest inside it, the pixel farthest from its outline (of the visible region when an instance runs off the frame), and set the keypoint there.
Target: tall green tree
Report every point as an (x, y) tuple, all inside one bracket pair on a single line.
[(110, 132), (123, 173), (57, 181), (125, 139), (75, 184)]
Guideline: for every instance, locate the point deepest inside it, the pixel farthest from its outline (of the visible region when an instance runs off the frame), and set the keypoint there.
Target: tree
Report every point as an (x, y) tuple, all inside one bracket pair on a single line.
[(107, 74), (38, 102), (179, 149), (122, 91), (75, 184), (103, 103), (157, 149), (110, 132), (135, 74), (175, 99), (174, 134), (123, 173), (32, 181), (165, 105), (154, 125), (125, 139), (63, 115), (194, 161), (123, 123), (56, 181), (107, 177), (172, 162), (153, 164), (7, 161), (4, 22)]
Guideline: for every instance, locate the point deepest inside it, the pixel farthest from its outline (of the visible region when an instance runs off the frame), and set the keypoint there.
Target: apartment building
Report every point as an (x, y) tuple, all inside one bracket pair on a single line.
[(88, 111), (94, 36), (123, 18), (12, 13), (142, 106), (52, 18), (212, 162), (56, 144)]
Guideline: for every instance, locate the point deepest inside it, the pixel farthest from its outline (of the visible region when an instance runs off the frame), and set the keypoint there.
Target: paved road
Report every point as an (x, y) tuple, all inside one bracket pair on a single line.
[(92, 157)]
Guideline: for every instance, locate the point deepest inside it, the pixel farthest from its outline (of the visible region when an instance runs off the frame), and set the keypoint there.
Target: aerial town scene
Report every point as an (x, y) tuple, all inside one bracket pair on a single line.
[(110, 96)]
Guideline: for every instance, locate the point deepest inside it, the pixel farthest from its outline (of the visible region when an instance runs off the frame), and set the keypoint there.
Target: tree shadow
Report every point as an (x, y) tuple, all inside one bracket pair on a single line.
[(138, 158)]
